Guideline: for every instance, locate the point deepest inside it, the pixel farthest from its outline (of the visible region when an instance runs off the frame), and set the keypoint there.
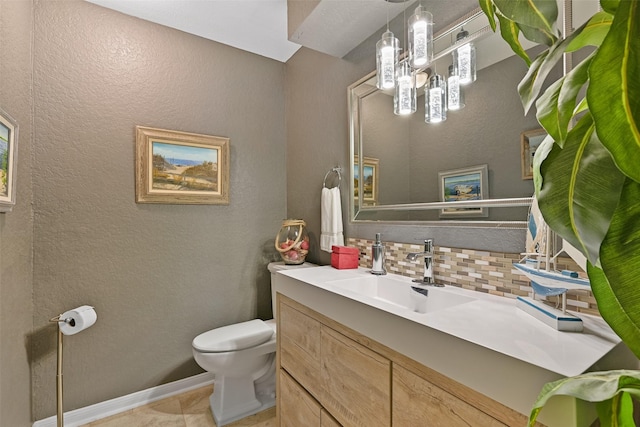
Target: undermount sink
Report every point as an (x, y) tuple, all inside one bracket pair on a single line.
[(398, 290)]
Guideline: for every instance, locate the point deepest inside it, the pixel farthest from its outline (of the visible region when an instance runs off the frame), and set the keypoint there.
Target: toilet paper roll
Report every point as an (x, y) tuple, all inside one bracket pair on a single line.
[(73, 321)]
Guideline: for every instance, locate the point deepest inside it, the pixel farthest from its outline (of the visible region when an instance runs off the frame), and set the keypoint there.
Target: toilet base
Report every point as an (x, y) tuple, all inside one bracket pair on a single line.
[(237, 398)]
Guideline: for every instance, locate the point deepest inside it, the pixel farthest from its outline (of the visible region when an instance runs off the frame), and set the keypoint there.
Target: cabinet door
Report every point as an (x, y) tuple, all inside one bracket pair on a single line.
[(297, 407), (355, 382), (299, 346), (417, 402), (326, 420)]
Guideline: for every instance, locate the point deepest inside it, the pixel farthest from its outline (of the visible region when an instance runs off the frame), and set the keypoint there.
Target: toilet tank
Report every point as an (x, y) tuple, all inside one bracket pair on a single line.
[(277, 266)]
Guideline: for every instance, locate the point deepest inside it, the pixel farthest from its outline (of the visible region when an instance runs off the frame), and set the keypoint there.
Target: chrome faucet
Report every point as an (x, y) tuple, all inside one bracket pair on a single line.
[(428, 263)]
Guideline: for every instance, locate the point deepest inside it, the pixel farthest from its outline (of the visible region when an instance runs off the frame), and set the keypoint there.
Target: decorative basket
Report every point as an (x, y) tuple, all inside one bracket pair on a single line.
[(292, 241)]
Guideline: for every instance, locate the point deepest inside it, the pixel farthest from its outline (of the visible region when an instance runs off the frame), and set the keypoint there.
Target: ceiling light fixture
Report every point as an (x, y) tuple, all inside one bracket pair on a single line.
[(408, 71)]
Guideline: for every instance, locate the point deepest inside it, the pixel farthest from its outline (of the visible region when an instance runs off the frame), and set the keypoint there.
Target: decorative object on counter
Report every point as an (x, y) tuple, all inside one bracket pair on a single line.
[(537, 264), (377, 257), (292, 241), (69, 323), (8, 159), (344, 257), (181, 168), (331, 215), (464, 185)]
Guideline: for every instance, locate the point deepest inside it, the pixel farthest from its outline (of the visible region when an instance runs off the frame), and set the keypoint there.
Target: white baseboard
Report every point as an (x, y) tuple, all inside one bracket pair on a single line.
[(107, 408)]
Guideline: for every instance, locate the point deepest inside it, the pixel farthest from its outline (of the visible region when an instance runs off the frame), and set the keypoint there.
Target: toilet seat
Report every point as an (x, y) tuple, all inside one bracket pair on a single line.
[(238, 336)]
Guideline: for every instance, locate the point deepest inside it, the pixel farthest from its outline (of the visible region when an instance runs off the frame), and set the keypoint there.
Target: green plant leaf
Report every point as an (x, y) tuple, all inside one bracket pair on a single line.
[(574, 199), (590, 387), (509, 32), (536, 36), (540, 156), (617, 293), (540, 14), (614, 89), (555, 107), (609, 6), (592, 33), (487, 8), (616, 412)]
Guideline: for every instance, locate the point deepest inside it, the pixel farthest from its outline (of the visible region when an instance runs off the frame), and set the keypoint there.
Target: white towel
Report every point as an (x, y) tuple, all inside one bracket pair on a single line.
[(331, 219)]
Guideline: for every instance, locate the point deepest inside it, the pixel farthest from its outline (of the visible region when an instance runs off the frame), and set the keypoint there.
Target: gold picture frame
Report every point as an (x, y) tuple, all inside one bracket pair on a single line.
[(175, 167), (8, 161), (529, 142), (370, 167)]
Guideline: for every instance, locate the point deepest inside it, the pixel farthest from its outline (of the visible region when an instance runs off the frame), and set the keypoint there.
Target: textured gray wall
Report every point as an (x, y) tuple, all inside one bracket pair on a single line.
[(158, 275), (16, 227)]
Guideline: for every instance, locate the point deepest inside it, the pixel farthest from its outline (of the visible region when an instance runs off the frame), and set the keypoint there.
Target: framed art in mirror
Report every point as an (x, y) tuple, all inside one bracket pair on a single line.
[(370, 167), (175, 167), (8, 161), (529, 142), (463, 185)]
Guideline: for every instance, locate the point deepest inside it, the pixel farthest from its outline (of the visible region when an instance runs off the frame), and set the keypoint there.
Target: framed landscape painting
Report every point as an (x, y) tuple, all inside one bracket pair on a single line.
[(464, 185), (370, 166), (181, 168), (8, 161)]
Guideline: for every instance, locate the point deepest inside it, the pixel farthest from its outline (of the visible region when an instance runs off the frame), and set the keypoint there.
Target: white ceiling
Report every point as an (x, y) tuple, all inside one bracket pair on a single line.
[(334, 27), (257, 26)]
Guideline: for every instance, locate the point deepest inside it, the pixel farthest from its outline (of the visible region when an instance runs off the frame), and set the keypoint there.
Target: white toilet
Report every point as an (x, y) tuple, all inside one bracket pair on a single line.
[(242, 357)]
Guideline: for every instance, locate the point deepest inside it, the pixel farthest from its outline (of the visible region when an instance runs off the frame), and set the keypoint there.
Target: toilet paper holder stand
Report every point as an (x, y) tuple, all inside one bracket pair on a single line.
[(59, 409)]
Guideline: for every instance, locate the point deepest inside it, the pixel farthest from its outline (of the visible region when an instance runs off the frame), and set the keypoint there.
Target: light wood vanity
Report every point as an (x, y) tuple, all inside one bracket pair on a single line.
[(348, 361), (330, 375)]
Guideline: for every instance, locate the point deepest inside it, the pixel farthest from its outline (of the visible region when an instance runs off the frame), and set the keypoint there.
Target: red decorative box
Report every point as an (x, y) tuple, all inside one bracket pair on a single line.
[(343, 257)]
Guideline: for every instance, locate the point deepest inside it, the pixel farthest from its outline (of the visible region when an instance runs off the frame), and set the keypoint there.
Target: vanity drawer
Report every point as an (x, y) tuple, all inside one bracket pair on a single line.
[(418, 402), (299, 342), (298, 408)]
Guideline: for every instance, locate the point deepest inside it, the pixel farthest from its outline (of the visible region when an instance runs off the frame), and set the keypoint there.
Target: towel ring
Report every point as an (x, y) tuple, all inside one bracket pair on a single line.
[(335, 170)]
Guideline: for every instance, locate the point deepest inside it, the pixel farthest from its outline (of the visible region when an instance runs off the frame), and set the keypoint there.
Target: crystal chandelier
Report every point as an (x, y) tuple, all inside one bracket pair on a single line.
[(398, 71)]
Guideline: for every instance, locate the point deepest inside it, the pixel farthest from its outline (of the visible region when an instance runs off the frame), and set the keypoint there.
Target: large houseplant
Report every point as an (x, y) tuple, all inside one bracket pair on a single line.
[(587, 172)]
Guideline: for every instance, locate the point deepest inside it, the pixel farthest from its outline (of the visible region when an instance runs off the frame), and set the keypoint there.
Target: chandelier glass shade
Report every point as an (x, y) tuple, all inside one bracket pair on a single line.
[(404, 100), (465, 59), (455, 94), (386, 60), (436, 100), (420, 35)]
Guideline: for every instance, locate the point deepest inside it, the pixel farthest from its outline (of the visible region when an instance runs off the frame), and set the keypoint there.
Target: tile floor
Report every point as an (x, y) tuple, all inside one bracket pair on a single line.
[(190, 409)]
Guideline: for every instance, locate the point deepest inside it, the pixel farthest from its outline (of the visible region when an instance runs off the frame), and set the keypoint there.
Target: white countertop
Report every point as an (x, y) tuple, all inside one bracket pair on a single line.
[(489, 321)]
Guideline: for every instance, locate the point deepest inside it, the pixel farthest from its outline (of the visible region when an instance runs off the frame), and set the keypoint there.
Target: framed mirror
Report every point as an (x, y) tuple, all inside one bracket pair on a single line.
[(412, 155)]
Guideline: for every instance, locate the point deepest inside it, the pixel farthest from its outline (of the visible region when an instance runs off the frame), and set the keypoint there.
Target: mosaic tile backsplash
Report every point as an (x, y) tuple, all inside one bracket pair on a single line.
[(481, 271)]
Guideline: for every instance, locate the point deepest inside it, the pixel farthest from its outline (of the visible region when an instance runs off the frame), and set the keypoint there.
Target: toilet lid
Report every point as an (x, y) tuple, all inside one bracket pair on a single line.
[(234, 337)]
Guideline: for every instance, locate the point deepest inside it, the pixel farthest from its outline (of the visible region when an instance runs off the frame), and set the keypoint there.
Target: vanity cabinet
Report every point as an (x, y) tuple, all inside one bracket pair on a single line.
[(330, 375)]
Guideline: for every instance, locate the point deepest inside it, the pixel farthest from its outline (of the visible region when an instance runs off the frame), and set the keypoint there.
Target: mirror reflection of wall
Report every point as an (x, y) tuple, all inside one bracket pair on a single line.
[(486, 131)]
